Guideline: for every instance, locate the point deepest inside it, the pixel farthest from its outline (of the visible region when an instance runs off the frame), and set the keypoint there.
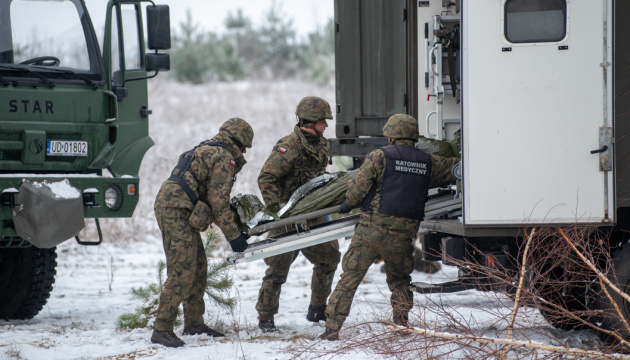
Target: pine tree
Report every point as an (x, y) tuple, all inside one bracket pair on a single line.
[(218, 287)]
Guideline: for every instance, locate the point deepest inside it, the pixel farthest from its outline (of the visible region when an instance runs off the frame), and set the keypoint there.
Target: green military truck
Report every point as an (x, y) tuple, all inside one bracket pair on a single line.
[(74, 129)]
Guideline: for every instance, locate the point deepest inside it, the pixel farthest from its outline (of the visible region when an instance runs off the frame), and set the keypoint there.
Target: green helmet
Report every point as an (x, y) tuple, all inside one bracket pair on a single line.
[(313, 108), (401, 126), (239, 130)]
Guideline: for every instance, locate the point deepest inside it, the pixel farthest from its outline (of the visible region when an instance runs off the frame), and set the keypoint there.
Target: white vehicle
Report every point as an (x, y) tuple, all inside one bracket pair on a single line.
[(539, 92)]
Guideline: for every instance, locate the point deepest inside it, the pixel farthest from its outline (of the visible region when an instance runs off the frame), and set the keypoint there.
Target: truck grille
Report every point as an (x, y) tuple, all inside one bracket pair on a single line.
[(10, 155), (16, 155)]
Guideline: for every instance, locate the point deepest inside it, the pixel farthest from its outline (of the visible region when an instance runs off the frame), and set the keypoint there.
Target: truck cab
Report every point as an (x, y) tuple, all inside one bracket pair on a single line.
[(74, 128)]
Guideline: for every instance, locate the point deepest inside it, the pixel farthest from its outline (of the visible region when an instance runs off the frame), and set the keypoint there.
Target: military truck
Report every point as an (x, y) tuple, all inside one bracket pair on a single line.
[(74, 121), (536, 90)]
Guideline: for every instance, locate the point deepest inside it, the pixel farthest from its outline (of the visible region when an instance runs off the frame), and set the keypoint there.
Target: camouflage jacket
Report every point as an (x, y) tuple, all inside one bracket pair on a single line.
[(214, 168), (292, 162), (371, 173)]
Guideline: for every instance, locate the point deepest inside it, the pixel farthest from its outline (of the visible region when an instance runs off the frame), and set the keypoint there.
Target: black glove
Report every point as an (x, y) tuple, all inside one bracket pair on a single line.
[(344, 208), (239, 244)]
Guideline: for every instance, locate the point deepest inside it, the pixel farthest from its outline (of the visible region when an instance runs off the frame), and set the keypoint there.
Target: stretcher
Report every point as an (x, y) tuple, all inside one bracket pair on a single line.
[(298, 235)]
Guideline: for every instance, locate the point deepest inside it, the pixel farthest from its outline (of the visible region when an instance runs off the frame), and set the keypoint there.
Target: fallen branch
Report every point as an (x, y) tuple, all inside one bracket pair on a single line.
[(526, 344)]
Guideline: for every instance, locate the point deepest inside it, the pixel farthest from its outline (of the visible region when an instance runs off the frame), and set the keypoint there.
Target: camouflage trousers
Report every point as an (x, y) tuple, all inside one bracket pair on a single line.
[(369, 243), (325, 258), (186, 270)]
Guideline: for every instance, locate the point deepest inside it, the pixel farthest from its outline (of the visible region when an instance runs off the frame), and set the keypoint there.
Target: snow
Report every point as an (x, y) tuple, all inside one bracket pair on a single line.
[(93, 283), (61, 189)]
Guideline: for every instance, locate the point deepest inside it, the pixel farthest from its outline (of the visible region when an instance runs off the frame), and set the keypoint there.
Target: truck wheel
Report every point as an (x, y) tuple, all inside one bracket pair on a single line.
[(26, 279), (609, 320), (571, 298)]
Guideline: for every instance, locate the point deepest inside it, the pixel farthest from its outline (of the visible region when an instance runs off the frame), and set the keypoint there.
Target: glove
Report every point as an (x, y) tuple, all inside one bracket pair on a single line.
[(344, 208), (239, 244)]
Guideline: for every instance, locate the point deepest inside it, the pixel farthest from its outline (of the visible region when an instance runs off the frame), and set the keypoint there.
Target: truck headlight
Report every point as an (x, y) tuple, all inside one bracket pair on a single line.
[(113, 197)]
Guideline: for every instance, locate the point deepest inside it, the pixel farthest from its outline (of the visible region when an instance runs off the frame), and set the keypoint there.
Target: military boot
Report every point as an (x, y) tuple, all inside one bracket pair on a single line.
[(267, 326), (330, 335), (166, 338), (401, 320), (202, 329), (316, 313)]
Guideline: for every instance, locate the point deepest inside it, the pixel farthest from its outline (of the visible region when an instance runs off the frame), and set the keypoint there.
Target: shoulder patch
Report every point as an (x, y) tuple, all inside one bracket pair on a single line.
[(233, 163), (282, 150)]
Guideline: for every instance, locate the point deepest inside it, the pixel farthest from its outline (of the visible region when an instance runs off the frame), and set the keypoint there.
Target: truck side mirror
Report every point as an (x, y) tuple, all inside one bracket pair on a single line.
[(157, 61), (158, 27)]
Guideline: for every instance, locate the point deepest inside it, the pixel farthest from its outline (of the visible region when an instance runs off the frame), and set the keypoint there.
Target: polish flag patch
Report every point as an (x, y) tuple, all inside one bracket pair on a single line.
[(233, 163), (282, 150)]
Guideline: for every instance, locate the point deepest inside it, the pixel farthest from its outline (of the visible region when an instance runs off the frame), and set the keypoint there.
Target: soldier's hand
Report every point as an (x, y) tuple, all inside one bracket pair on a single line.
[(344, 208), (239, 244)]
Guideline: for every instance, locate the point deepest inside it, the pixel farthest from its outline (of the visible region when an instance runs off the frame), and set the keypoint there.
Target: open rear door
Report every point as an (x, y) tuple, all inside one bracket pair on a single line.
[(536, 103)]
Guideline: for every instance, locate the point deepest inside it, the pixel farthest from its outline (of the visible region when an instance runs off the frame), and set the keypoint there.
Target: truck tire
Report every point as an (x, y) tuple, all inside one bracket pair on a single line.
[(571, 297), (26, 280), (609, 319)]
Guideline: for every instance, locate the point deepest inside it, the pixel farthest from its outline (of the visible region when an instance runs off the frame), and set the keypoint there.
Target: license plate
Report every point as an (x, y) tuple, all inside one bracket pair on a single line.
[(66, 148)]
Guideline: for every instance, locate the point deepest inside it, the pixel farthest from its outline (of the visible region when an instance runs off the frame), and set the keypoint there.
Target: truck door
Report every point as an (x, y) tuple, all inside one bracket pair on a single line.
[(128, 81), (536, 103)]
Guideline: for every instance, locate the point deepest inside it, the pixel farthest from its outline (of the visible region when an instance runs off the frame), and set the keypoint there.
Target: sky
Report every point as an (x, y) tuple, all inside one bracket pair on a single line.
[(307, 14)]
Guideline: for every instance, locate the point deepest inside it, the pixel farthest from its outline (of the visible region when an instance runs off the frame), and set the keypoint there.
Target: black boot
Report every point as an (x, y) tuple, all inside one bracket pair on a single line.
[(202, 329), (330, 335), (316, 313), (166, 338), (401, 320), (267, 326)]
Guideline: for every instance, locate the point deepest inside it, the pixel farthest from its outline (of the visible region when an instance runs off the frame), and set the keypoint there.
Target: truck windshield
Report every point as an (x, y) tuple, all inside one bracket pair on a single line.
[(46, 36)]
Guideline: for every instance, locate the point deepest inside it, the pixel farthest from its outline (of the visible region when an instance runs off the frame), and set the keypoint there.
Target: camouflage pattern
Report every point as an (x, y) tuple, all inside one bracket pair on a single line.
[(239, 130), (313, 108), (401, 126), (325, 258), (215, 168), (371, 172), (211, 176), (186, 270), (368, 244), (294, 160), (381, 235)]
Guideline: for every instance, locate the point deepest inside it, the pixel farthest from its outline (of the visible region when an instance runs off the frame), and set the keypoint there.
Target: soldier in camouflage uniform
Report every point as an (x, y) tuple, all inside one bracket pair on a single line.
[(294, 160), (391, 187), (195, 195)]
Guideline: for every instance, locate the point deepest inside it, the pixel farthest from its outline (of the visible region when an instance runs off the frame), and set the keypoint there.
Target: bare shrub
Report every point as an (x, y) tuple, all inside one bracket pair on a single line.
[(565, 273)]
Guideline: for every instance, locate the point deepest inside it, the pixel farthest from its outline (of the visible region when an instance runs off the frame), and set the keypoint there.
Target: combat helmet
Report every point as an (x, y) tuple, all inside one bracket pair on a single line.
[(313, 108), (239, 130), (401, 126)]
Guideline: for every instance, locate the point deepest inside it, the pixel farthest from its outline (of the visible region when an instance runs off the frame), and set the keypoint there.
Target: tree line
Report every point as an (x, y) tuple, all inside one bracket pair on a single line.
[(270, 50)]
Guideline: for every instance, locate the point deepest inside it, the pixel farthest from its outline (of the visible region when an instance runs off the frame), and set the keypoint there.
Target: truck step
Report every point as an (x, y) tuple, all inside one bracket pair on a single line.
[(447, 287)]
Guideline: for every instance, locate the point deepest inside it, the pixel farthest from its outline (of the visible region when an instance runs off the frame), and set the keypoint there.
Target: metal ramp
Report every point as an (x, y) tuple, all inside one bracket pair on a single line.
[(296, 240)]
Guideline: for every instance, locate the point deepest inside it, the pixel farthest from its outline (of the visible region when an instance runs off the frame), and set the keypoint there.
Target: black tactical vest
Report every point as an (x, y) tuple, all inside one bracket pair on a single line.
[(405, 182), (183, 165)]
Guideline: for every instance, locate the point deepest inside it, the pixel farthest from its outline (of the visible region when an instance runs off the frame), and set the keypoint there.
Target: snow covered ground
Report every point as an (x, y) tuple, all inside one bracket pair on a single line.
[(93, 284)]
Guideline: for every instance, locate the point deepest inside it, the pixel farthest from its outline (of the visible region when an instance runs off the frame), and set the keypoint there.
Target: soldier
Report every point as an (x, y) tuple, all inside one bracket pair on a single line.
[(391, 187), (195, 195), (294, 160)]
